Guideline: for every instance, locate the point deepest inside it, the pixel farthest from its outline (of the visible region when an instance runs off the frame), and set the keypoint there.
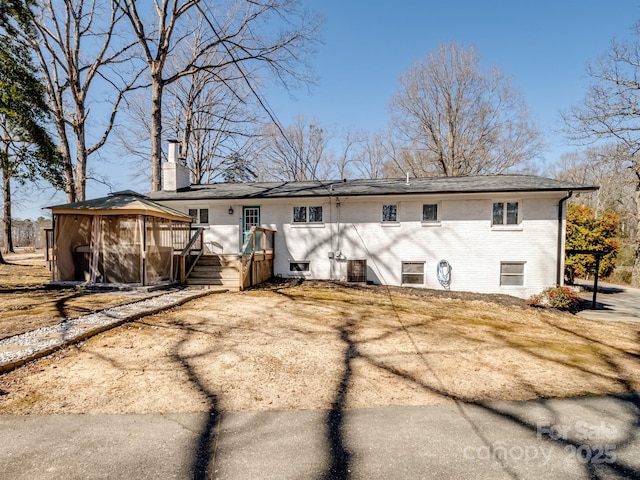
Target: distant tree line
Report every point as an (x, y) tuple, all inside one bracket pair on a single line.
[(27, 233)]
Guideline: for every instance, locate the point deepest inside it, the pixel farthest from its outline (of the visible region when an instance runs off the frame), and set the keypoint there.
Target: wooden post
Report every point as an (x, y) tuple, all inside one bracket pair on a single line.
[(183, 269), (144, 250), (595, 282), (253, 252)]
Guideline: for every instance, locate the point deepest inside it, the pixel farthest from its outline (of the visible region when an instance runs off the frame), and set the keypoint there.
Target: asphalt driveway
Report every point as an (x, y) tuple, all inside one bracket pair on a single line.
[(581, 439), (613, 302)]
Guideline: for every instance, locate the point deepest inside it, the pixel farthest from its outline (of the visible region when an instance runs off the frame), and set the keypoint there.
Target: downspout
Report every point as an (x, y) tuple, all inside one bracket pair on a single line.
[(561, 232), (332, 265)]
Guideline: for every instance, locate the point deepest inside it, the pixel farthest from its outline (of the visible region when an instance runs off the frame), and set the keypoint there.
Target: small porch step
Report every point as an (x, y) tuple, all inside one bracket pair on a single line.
[(218, 270)]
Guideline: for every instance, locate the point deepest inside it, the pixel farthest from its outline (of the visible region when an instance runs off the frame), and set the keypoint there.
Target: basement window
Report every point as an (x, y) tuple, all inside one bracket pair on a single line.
[(299, 267), (511, 273), (413, 273)]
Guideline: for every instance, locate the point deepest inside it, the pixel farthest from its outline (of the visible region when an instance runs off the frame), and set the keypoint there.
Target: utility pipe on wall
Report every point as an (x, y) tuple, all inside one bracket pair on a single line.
[(560, 271)]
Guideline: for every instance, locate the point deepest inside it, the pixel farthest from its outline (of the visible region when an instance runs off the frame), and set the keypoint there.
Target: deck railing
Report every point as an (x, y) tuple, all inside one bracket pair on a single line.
[(190, 254), (257, 257)]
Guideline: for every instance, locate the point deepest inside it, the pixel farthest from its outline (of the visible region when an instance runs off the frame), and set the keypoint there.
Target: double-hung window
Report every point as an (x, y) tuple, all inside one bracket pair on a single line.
[(505, 213), (512, 273), (307, 214), (413, 273)]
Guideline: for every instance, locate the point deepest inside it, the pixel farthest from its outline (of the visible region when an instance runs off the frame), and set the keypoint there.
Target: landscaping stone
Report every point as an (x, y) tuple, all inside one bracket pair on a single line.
[(20, 349)]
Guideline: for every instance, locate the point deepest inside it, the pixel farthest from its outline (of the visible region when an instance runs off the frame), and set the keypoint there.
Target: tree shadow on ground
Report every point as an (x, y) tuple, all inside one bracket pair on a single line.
[(618, 363), (426, 377), (203, 458), (61, 304), (339, 465)]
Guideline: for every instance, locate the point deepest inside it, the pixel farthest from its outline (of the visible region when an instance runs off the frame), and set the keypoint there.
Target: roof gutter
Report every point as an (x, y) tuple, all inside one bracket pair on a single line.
[(189, 195), (561, 232)]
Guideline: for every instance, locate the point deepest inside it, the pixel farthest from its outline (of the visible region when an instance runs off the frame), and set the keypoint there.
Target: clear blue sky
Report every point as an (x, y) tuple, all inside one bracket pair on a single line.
[(543, 45)]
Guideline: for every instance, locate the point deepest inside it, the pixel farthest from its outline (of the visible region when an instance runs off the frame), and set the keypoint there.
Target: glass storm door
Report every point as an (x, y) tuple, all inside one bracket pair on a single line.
[(250, 218)]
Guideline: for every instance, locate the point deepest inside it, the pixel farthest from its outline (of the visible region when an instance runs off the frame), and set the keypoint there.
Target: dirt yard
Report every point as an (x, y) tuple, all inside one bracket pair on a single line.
[(26, 303), (318, 345)]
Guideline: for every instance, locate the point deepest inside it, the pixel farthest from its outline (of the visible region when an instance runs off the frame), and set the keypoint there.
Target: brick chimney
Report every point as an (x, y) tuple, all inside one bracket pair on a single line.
[(175, 174)]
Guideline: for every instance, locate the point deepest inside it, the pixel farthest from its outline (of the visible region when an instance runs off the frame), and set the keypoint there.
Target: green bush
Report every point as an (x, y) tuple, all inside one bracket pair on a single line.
[(562, 298)]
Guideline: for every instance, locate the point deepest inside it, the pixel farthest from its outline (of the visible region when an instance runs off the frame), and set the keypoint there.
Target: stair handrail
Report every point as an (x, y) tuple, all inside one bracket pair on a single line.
[(186, 251), (248, 256)]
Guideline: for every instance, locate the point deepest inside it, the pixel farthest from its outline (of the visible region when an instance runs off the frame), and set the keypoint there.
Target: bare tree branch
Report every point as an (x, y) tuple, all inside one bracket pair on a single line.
[(235, 36), (609, 112), (455, 119), (79, 49)]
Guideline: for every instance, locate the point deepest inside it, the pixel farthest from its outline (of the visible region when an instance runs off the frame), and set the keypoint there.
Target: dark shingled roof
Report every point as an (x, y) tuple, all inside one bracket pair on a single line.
[(121, 203), (393, 186)]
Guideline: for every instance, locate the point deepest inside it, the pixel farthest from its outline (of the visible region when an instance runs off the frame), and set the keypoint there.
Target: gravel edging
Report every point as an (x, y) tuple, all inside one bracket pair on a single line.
[(17, 350)]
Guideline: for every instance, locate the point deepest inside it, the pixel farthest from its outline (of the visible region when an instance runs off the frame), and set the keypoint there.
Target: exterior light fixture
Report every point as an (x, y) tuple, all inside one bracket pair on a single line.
[(230, 210)]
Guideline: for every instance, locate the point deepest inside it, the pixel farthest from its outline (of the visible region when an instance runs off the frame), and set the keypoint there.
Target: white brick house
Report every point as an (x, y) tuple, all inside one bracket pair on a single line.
[(497, 234)]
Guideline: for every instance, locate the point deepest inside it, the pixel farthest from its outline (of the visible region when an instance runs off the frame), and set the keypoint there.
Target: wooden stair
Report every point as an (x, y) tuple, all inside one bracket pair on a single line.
[(221, 271)]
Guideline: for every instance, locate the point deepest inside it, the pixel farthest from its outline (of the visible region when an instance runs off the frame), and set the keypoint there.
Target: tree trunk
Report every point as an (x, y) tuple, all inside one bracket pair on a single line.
[(67, 166), (156, 132), (635, 273), (80, 171), (6, 190)]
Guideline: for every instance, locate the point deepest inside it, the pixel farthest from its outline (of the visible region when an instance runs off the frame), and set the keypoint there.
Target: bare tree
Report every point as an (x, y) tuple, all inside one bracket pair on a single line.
[(298, 152), (212, 116), (342, 162), (215, 125), (610, 112), (236, 35), (373, 155), (82, 59), (362, 154), (455, 119), (605, 166)]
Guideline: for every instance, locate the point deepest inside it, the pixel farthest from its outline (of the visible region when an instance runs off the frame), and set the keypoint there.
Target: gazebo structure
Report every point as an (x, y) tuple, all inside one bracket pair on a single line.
[(124, 238)]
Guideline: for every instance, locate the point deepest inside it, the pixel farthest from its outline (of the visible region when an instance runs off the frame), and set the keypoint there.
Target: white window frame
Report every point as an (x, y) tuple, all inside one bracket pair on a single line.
[(321, 213), (412, 262), (198, 217), (512, 275), (431, 223), (505, 209), (390, 222), (307, 215), (297, 273)]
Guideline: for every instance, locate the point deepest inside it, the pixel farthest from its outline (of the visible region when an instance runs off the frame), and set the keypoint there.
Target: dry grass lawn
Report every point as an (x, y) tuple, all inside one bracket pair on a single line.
[(318, 345), (26, 304)]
